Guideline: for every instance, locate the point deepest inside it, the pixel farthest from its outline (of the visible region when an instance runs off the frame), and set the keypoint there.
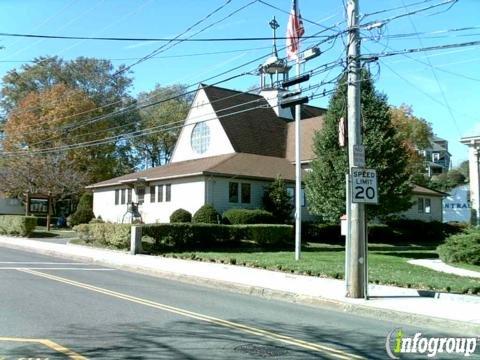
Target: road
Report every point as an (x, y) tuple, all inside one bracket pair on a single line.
[(59, 309)]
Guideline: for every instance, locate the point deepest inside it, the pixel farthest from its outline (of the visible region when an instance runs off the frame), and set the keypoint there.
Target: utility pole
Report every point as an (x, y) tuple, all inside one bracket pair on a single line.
[(356, 251)]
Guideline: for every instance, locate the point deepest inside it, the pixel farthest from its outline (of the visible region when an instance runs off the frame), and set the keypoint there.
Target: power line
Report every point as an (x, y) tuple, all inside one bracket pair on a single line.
[(395, 8), (380, 23), (163, 48), (169, 40), (372, 56), (204, 80), (449, 108)]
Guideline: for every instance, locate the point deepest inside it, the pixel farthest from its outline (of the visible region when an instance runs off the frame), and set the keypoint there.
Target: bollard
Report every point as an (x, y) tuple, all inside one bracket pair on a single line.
[(136, 240)]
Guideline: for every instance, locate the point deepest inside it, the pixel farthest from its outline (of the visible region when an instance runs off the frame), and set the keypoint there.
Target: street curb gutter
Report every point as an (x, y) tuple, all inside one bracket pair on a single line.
[(460, 327)]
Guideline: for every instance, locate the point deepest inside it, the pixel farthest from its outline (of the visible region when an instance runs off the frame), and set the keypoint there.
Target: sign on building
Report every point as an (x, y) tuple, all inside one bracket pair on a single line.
[(364, 186)]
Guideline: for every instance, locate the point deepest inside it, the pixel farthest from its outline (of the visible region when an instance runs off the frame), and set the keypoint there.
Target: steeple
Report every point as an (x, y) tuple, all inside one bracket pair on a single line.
[(272, 73)]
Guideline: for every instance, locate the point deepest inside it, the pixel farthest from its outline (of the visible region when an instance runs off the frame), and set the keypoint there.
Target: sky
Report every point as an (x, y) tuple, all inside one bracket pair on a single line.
[(442, 86)]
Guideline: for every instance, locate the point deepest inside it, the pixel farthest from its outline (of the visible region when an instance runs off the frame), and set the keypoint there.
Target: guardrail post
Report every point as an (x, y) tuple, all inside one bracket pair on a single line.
[(136, 240)]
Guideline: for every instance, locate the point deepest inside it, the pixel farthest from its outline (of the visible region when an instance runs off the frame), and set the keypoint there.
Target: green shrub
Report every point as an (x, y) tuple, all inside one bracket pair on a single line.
[(322, 233), (277, 201), (181, 216), (81, 216), (462, 248), (115, 235), (17, 225), (417, 231), (269, 235), (247, 216), (97, 221), (84, 212), (206, 215), (383, 234)]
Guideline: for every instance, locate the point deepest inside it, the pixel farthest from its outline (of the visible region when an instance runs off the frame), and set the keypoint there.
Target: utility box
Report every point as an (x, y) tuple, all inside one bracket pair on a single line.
[(344, 225)]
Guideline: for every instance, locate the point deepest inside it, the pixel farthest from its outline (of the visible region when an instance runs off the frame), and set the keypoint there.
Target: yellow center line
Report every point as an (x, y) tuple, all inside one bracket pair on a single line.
[(48, 343), (209, 319)]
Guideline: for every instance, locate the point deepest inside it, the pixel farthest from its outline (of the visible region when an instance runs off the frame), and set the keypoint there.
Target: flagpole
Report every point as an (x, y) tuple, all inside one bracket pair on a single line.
[(298, 176)]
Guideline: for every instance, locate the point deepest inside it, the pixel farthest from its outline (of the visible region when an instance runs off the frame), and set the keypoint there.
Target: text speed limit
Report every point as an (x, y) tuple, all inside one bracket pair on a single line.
[(364, 186)]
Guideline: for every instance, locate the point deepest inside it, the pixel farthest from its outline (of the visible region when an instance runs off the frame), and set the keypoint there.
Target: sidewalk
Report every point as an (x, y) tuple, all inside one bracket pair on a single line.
[(457, 312), (439, 265)]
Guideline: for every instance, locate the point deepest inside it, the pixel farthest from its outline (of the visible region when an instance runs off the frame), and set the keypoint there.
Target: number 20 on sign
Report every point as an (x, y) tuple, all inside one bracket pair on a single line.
[(364, 186)]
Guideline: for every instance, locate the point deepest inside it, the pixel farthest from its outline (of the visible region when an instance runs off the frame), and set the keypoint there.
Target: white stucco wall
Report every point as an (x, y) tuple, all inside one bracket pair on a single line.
[(187, 193), (218, 195), (9, 206), (457, 207), (104, 205), (435, 210), (201, 110)]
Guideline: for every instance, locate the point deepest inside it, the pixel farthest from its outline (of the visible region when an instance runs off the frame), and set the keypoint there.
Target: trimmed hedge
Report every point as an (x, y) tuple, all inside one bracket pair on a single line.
[(114, 235), (206, 215), (17, 225), (186, 235), (201, 236), (248, 216), (462, 248), (181, 216), (392, 232)]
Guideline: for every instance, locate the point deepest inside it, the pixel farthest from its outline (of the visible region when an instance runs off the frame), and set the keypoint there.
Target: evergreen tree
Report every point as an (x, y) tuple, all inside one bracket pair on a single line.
[(383, 152), (277, 201)]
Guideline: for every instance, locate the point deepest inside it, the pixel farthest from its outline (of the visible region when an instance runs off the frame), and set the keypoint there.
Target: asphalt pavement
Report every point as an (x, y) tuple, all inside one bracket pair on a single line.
[(60, 309)]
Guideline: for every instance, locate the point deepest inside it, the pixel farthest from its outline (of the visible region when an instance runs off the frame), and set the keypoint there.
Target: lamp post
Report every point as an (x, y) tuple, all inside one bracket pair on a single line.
[(297, 101)]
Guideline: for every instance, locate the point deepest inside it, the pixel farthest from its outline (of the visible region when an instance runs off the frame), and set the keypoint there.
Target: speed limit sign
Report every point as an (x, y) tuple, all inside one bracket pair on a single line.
[(364, 186)]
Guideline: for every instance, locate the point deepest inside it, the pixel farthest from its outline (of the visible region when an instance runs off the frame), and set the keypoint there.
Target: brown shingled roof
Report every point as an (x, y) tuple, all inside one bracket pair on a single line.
[(259, 131), (422, 190), (308, 128), (238, 165)]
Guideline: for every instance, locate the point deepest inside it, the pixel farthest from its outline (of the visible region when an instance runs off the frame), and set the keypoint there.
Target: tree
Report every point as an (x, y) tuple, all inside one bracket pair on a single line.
[(383, 151), (277, 201), (447, 181), (97, 78), (52, 173), (414, 134), (167, 117), (93, 87), (464, 169), (48, 119)]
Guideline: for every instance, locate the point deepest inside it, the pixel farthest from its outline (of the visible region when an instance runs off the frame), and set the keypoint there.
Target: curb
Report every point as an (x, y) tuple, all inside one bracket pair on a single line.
[(460, 327)]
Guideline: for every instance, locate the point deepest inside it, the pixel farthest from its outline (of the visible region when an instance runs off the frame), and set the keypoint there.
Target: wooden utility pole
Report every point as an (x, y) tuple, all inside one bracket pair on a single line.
[(356, 249)]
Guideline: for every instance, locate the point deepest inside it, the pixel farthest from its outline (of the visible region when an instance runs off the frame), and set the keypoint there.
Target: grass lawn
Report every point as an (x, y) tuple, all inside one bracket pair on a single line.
[(466, 266), (387, 265)]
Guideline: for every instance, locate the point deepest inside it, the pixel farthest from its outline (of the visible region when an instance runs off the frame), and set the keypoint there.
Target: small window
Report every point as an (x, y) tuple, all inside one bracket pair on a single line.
[(420, 205), (123, 196), (140, 195), (129, 196), (168, 192), (117, 197), (233, 192), (246, 193), (152, 194), (160, 193), (428, 206)]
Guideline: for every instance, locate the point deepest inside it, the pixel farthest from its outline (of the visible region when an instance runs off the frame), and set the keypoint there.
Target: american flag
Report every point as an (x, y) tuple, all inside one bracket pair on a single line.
[(295, 31)]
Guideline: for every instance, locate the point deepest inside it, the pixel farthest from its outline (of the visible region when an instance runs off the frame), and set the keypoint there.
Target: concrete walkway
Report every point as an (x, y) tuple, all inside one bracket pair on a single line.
[(460, 312), (439, 265)]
